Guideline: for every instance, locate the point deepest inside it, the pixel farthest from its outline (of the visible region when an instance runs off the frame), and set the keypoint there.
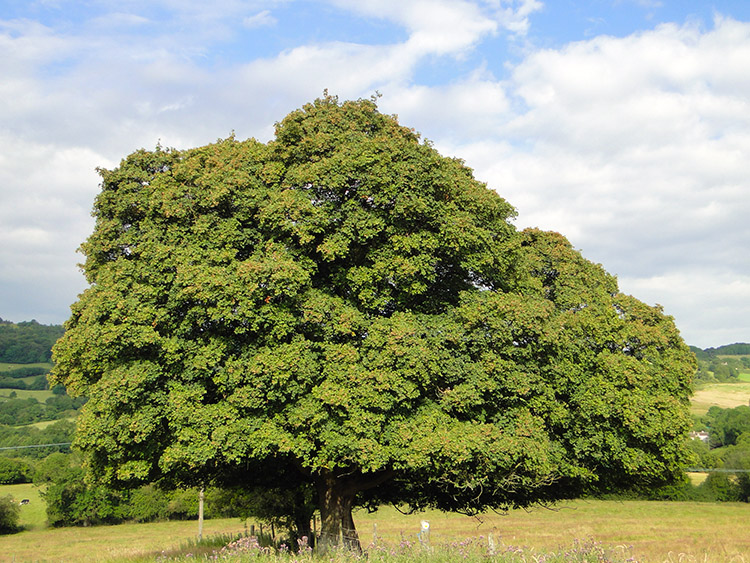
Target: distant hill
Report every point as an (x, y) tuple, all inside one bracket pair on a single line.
[(736, 349), (723, 364), (27, 342)]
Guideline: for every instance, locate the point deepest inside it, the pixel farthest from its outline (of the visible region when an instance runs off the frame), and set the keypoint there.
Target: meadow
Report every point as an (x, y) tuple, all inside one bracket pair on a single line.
[(649, 531), (40, 396), (5, 366), (724, 395)]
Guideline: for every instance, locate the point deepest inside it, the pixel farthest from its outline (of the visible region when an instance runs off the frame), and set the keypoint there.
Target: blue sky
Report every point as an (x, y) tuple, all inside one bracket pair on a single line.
[(623, 124)]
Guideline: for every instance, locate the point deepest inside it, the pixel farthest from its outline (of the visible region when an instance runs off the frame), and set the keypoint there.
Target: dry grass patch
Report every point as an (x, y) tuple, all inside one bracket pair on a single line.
[(703, 532), (649, 531), (102, 543), (724, 395)]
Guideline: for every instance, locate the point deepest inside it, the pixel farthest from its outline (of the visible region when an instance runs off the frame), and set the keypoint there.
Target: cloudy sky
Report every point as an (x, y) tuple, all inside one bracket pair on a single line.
[(623, 124)]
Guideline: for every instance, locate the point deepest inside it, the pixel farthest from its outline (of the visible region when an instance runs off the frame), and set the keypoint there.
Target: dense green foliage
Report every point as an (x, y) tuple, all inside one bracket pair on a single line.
[(16, 411), (27, 342), (726, 426), (72, 501), (9, 515), (736, 349), (14, 471), (347, 308), (59, 432), (726, 455), (24, 372), (37, 383)]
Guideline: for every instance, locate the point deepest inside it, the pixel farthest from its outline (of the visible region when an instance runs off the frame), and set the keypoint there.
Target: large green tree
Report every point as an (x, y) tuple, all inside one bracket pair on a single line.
[(347, 305)]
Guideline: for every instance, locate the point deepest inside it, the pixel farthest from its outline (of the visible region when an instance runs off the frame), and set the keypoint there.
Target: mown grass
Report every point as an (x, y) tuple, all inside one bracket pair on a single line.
[(8, 367), (40, 396), (724, 395), (33, 516), (696, 478), (107, 543), (45, 423), (648, 531)]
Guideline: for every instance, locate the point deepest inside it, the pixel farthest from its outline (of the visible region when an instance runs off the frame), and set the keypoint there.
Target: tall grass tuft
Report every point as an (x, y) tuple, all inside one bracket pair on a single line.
[(474, 550)]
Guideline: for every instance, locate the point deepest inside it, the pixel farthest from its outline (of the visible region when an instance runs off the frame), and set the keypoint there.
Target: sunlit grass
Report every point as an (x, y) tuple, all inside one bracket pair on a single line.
[(696, 478), (724, 395), (40, 395), (649, 531), (8, 367), (33, 516)]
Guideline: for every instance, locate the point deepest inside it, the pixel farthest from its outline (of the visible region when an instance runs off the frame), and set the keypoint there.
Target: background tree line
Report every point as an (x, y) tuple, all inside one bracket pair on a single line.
[(27, 342), (725, 456), (72, 501), (17, 411)]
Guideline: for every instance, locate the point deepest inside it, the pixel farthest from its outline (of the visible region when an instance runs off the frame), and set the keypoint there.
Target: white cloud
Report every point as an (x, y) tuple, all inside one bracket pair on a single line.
[(636, 149), (260, 19), (712, 304), (445, 27), (513, 15), (474, 107)]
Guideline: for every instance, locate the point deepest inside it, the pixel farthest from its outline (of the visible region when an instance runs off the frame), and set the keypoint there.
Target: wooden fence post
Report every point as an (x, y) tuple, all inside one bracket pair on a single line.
[(200, 515)]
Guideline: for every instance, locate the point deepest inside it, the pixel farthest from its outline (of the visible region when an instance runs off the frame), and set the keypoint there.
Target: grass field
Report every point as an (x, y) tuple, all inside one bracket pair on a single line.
[(7, 367), (649, 531), (724, 395), (696, 478), (40, 396), (46, 423), (33, 515)]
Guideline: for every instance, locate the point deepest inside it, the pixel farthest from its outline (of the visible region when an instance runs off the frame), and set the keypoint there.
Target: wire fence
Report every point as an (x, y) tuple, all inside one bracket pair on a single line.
[(715, 470), (35, 446)]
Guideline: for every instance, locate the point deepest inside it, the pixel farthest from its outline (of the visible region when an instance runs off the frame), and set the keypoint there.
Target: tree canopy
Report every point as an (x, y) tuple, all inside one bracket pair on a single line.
[(348, 306)]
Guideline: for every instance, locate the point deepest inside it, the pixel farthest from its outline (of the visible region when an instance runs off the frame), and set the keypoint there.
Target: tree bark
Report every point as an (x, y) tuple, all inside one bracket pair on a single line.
[(336, 522), (336, 494)]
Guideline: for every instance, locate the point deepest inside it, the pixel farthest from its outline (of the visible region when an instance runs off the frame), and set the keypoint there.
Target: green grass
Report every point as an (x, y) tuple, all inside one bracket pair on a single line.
[(45, 423), (7, 367), (33, 516), (649, 531), (102, 543), (40, 396)]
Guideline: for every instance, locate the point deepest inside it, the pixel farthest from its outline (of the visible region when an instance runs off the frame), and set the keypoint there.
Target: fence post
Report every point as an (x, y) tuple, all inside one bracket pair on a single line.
[(200, 515), (424, 533)]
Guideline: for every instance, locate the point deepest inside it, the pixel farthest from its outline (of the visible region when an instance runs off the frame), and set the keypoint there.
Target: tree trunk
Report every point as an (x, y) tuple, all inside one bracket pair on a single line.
[(336, 522), (336, 494), (303, 513)]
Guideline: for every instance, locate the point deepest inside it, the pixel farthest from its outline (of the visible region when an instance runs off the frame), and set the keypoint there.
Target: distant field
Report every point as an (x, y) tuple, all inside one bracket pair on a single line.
[(724, 395), (40, 396), (7, 367), (649, 531), (45, 423), (33, 515), (697, 478)]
